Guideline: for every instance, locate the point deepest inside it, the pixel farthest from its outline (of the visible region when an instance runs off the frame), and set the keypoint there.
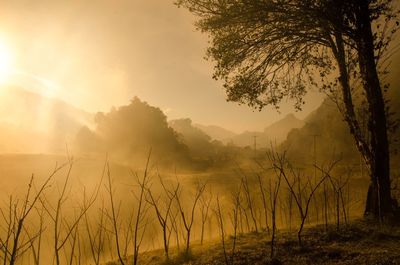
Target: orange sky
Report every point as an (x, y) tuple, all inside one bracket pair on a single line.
[(99, 53)]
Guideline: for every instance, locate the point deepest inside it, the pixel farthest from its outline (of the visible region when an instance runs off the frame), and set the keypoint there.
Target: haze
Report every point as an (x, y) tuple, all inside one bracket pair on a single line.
[(98, 54), (118, 147)]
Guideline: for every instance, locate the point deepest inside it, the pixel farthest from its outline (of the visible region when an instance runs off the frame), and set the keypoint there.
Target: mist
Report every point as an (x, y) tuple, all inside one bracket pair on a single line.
[(198, 132)]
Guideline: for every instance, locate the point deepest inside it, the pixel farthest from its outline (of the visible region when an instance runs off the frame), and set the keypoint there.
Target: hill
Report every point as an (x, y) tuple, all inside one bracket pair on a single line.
[(275, 133), (198, 142), (280, 129), (30, 122), (216, 132), (326, 128)]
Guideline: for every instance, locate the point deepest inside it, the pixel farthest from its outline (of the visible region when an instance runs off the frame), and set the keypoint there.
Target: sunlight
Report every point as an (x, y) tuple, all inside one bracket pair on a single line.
[(5, 61)]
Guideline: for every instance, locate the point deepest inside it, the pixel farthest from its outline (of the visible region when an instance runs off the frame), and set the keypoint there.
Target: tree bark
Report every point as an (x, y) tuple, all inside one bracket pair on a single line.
[(379, 204)]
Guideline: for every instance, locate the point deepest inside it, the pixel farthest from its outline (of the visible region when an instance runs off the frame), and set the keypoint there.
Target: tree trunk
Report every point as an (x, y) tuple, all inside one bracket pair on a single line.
[(166, 247), (202, 233), (379, 204), (188, 242)]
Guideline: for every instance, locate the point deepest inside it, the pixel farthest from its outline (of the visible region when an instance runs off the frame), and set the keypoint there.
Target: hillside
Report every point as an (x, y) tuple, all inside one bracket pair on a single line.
[(31, 122), (331, 134), (216, 132), (198, 142), (275, 133), (280, 129), (358, 243)]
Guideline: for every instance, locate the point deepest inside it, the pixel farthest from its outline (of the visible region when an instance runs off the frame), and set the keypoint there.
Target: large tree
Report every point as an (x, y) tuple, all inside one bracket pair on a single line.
[(266, 50)]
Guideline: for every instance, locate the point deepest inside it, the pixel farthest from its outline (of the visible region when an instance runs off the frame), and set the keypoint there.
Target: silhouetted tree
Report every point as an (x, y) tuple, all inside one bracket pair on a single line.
[(129, 131), (267, 50)]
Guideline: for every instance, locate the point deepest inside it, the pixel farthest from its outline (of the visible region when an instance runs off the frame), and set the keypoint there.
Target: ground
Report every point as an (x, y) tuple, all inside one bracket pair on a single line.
[(357, 243)]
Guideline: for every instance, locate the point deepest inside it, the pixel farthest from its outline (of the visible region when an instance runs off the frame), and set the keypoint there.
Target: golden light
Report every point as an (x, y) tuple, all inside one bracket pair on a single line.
[(5, 62)]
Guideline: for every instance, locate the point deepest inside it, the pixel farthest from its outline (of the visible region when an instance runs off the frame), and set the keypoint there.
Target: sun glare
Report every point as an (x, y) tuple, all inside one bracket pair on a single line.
[(5, 61)]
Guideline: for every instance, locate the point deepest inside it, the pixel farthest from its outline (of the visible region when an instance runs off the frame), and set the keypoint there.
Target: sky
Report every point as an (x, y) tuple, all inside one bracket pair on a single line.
[(96, 54)]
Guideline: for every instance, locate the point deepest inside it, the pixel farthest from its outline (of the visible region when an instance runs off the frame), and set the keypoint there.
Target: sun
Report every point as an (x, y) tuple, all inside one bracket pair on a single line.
[(5, 62)]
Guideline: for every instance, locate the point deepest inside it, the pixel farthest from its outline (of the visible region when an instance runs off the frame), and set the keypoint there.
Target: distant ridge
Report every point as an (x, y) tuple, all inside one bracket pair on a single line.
[(275, 133), (216, 132), (279, 130)]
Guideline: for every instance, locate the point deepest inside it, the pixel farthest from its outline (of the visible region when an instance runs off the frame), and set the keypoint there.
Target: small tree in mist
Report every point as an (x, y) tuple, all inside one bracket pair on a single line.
[(141, 222), (114, 217), (263, 193), (234, 218), (74, 244), (338, 185), (96, 234), (64, 229), (137, 221), (188, 217), (299, 185), (249, 200), (205, 203), (244, 216), (221, 226), (274, 188), (162, 206), (176, 228), (35, 240), (18, 238)]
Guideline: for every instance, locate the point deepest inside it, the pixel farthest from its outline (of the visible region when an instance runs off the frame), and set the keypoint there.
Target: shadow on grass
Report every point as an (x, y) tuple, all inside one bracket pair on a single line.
[(181, 258)]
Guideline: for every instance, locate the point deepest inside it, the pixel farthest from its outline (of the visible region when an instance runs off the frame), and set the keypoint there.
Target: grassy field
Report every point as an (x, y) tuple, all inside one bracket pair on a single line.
[(357, 243)]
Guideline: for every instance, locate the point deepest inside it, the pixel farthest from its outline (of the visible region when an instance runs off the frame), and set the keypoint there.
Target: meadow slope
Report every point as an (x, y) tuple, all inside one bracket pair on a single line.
[(357, 243)]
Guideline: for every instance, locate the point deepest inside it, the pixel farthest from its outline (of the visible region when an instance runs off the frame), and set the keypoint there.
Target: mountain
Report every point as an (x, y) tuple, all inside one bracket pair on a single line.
[(216, 132), (30, 122), (326, 129), (275, 133), (198, 142), (278, 131)]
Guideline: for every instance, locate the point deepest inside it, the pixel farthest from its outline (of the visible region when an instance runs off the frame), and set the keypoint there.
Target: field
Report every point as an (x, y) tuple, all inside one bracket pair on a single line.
[(95, 211)]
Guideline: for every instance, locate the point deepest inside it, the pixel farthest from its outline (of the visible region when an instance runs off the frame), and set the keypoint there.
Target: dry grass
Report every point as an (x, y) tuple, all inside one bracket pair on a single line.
[(358, 243)]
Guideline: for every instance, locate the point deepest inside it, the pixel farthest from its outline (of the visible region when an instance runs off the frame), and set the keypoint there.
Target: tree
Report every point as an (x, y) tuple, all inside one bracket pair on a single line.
[(129, 131), (17, 239), (300, 186), (162, 206), (268, 50), (188, 215)]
